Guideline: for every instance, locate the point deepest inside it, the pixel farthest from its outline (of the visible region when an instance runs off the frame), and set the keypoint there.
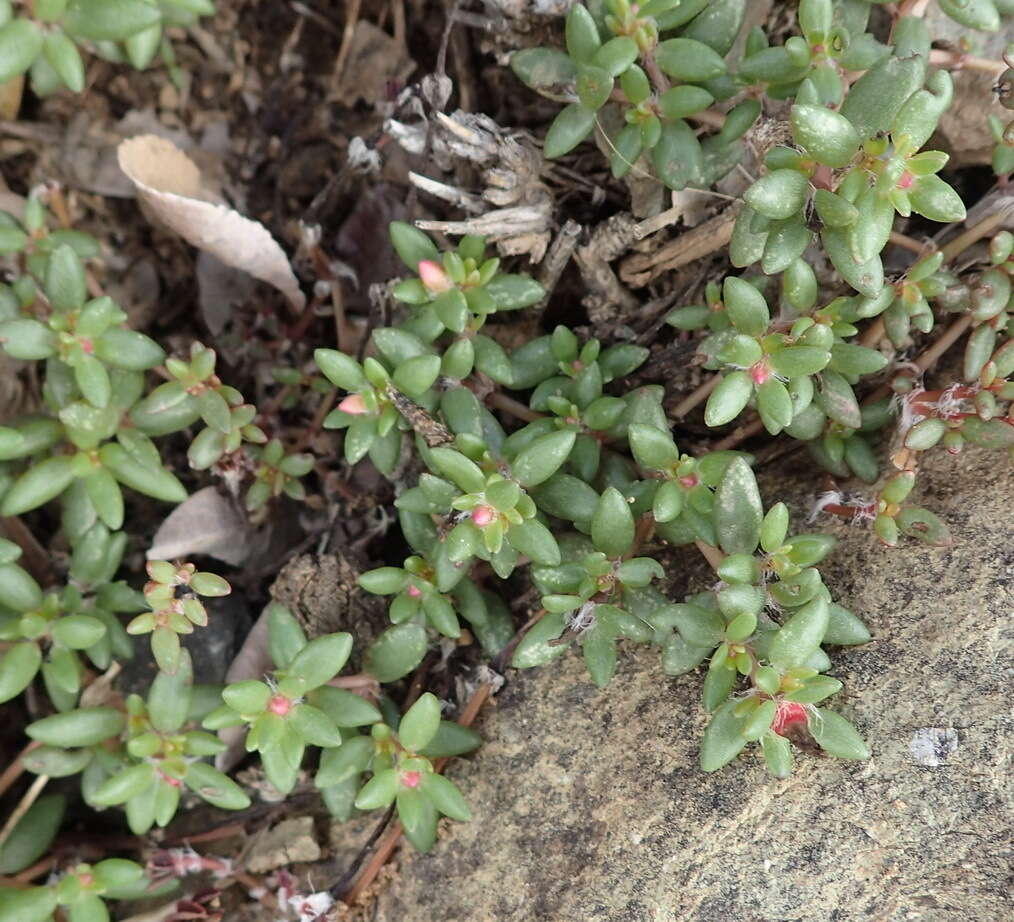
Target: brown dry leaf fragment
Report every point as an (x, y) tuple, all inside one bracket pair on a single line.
[(10, 97), (205, 523), (376, 62), (169, 183)]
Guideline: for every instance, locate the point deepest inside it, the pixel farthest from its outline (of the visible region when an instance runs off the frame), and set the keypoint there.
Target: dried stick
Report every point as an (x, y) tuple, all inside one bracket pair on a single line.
[(373, 866), (955, 60), (17, 766), (975, 233), (323, 408), (698, 395), (516, 408), (351, 20), (873, 333), (740, 434), (641, 268), (910, 243), (22, 808), (712, 554), (928, 358), (560, 252), (44, 866), (341, 886), (37, 560), (502, 658), (155, 915)]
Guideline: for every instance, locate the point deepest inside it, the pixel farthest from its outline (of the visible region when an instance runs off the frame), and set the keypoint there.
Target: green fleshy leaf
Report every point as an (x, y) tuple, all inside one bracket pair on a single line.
[(217, 789), (836, 736), (543, 458), (797, 639), (543, 68), (31, 837), (689, 60), (778, 194), (82, 727), (20, 44), (612, 525), (728, 400), (18, 667), (827, 136), (723, 739), (396, 652), (412, 245), (574, 123), (537, 647), (321, 659), (738, 511)]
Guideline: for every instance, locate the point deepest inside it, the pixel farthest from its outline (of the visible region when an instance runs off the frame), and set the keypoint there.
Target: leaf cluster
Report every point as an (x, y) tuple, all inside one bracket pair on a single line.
[(44, 39)]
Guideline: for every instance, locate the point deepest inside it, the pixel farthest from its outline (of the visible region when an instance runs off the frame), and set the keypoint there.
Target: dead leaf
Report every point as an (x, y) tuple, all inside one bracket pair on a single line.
[(10, 97), (205, 523), (87, 150), (219, 289), (375, 63), (170, 184), (252, 662)]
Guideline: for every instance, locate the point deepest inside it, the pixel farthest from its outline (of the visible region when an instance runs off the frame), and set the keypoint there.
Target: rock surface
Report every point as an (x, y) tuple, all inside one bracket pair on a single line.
[(963, 131), (588, 805)]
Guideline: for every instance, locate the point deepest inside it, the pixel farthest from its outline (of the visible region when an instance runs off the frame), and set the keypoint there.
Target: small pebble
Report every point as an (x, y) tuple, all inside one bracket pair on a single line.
[(930, 746)]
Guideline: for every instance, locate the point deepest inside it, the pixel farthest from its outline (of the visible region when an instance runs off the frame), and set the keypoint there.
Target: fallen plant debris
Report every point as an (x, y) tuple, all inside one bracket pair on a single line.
[(170, 185), (498, 443)]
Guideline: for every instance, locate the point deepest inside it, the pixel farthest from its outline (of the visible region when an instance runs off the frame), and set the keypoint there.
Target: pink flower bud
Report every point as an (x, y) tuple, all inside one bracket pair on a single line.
[(279, 705), (760, 372), (483, 515), (433, 276), (413, 591), (411, 779), (354, 405), (906, 181), (789, 713), (689, 482)]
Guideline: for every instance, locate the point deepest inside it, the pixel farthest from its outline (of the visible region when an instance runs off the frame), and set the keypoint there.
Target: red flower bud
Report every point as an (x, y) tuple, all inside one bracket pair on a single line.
[(280, 705), (411, 779), (788, 713)]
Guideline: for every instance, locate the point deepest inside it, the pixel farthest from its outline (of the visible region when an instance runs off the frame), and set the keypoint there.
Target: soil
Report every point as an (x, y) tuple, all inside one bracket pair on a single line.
[(310, 117)]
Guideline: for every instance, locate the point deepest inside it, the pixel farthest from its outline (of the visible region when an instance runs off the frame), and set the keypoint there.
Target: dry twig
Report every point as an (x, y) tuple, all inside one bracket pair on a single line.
[(640, 269)]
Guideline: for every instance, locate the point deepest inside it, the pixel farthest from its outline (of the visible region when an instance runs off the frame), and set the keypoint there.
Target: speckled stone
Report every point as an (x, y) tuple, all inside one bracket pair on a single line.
[(589, 806)]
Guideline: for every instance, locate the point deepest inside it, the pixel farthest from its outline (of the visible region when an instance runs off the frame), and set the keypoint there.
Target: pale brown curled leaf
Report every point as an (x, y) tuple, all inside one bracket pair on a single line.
[(169, 183)]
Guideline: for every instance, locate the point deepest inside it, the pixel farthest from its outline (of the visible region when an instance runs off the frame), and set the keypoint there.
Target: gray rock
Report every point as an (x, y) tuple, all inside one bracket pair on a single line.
[(290, 842), (964, 131), (589, 805)]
